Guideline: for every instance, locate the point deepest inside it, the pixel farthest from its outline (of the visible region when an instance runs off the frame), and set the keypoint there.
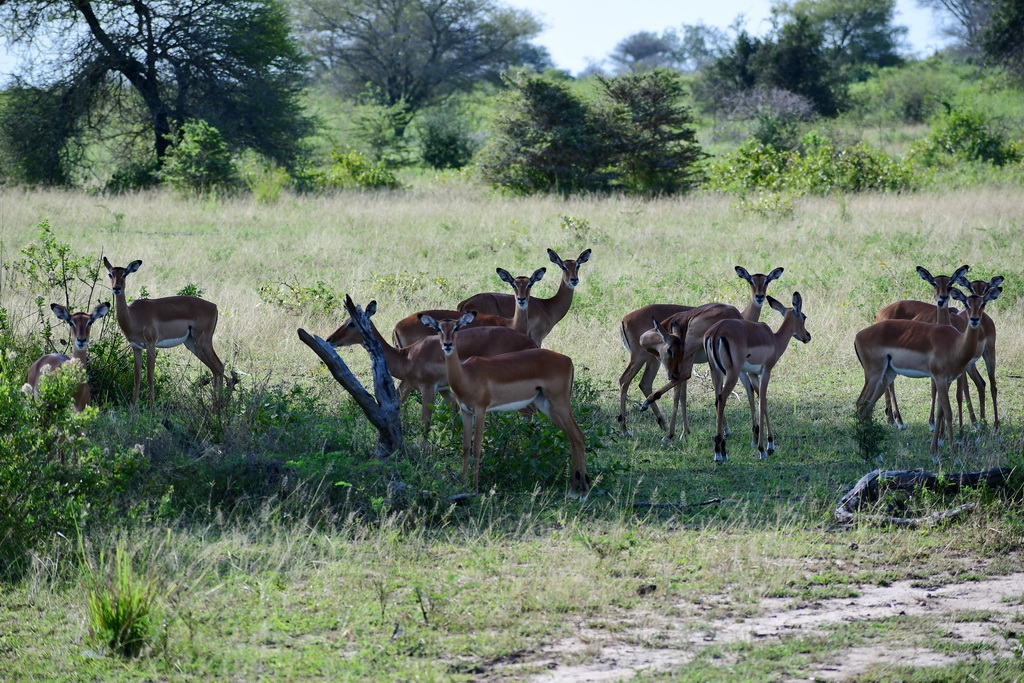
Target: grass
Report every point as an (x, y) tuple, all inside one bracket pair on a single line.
[(291, 557)]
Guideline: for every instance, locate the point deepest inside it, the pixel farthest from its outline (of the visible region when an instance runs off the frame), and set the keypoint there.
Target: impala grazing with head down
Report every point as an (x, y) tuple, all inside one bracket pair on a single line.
[(81, 324), (421, 365), (918, 349), (544, 313), (151, 324), (748, 351), (647, 346), (511, 381)]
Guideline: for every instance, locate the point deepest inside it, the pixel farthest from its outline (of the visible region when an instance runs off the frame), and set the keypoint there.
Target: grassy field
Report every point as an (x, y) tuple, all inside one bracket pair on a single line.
[(276, 562)]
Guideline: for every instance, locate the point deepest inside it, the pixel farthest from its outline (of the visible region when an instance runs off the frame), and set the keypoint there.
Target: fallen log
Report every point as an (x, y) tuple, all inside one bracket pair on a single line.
[(873, 485)]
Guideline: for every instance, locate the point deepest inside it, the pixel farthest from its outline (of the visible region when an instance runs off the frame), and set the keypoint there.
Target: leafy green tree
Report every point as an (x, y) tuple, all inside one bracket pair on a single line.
[(858, 34), (644, 51), (161, 62), (795, 61), (200, 160), (415, 53), (1003, 40)]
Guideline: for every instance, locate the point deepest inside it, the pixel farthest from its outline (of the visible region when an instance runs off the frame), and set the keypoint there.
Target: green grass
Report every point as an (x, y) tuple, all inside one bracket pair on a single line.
[(292, 558)]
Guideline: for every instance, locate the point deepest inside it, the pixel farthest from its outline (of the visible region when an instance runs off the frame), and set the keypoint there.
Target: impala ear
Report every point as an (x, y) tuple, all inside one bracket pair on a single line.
[(583, 257), (371, 308), (505, 276), (133, 266), (61, 313), (99, 312), (661, 332), (993, 293), (776, 305), (926, 276), (107, 264), (429, 322), (538, 274), (774, 275), (555, 259), (996, 281), (466, 319), (742, 272), (798, 302), (958, 295), (960, 275)]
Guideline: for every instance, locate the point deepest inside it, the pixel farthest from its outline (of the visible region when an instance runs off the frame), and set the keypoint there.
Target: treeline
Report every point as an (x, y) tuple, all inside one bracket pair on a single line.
[(244, 95)]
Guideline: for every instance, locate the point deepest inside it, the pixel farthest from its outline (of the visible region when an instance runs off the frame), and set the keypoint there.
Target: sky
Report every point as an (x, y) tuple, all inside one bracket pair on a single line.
[(579, 32)]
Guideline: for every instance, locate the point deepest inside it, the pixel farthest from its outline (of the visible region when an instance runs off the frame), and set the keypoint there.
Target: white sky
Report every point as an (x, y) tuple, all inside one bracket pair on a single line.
[(580, 31)]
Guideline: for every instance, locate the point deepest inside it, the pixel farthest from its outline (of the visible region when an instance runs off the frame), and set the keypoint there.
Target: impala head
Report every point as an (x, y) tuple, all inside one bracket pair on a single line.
[(943, 283), (759, 282), (446, 329), (570, 268), (673, 340), (348, 334), (80, 322), (117, 275), (975, 304), (522, 284), (796, 312)]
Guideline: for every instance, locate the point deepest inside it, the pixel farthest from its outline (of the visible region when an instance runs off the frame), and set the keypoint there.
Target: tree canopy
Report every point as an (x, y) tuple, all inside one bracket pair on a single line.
[(159, 63), (415, 52)]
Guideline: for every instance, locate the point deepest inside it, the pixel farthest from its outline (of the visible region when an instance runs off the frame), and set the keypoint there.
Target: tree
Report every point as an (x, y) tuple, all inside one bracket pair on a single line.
[(699, 45), (415, 53), (856, 33), (795, 61), (969, 19), (1003, 40), (644, 51), (233, 64)]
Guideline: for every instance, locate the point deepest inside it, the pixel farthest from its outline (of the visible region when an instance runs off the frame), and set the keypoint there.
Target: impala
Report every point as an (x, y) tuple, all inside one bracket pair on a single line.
[(986, 349), (511, 381), (646, 347), (81, 324), (918, 349), (741, 349), (938, 313), (544, 313), (410, 330), (151, 324), (421, 365)]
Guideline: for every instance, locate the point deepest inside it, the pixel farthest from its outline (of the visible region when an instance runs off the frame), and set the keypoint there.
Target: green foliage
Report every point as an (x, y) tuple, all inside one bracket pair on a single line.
[(37, 139), (351, 170), (296, 298), (134, 176), (199, 162), (381, 130), (635, 137), (265, 179), (445, 139), (818, 167), (1003, 39), (966, 135), (124, 608), (912, 93)]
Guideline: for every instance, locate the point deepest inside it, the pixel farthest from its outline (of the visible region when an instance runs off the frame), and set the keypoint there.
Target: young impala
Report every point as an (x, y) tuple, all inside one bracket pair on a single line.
[(748, 351), (918, 349), (544, 313), (511, 381), (151, 324), (81, 324), (410, 330), (421, 365), (647, 347)]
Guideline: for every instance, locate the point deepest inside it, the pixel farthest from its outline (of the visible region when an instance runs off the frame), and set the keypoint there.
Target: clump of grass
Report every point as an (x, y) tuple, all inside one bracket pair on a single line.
[(124, 607)]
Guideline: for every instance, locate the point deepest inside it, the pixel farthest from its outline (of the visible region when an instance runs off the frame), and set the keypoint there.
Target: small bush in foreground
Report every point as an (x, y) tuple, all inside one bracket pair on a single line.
[(123, 606)]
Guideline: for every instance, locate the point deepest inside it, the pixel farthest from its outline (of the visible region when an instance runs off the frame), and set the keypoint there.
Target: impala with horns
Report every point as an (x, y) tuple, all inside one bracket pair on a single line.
[(647, 347), (748, 351), (81, 325), (410, 330), (544, 313), (511, 381), (151, 324), (422, 365), (913, 348)]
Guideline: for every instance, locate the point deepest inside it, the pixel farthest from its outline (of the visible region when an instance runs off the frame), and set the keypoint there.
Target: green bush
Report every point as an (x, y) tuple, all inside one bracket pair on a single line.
[(965, 135), (124, 607), (445, 140), (350, 170), (199, 161)]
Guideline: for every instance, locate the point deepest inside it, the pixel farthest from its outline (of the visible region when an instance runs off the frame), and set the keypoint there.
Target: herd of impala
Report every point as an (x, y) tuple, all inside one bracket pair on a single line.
[(489, 356)]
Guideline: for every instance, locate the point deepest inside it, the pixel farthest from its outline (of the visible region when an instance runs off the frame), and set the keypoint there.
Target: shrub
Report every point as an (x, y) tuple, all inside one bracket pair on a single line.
[(445, 140), (134, 176), (199, 161), (965, 135), (123, 607), (351, 170)]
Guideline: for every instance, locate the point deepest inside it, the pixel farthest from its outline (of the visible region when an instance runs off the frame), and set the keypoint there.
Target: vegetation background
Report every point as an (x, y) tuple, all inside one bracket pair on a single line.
[(264, 539)]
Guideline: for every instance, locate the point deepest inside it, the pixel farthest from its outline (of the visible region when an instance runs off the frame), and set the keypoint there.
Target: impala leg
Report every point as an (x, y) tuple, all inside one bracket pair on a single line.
[(767, 434), (721, 394), (946, 413), (561, 416), (624, 381), (892, 408), (478, 444), (755, 428), (203, 350), (979, 384), (647, 386), (990, 367), (150, 371), (137, 354), (467, 442), (678, 395), (427, 409)]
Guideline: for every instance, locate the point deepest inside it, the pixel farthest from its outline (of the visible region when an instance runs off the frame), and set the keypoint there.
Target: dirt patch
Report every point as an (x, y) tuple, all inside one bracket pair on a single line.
[(647, 642)]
